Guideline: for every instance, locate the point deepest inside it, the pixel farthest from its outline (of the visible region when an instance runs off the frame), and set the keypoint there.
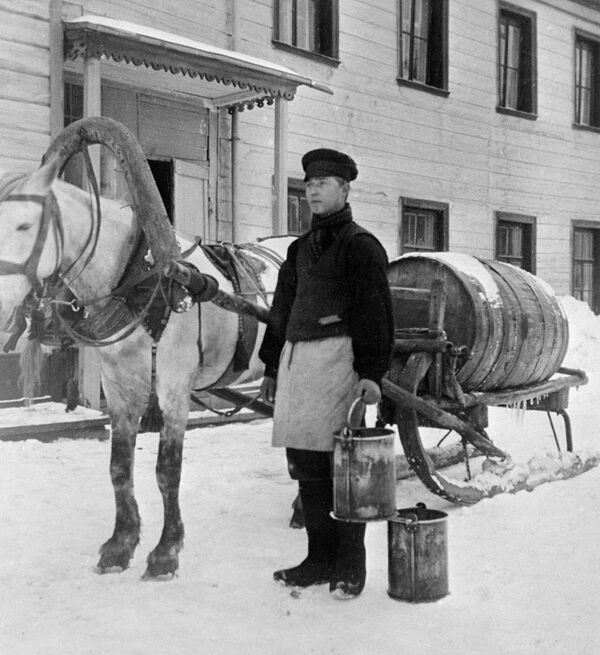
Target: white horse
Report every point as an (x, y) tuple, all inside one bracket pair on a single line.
[(40, 240)]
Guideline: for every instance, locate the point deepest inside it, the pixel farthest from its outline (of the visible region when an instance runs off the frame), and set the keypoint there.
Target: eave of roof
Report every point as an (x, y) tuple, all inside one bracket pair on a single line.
[(258, 81)]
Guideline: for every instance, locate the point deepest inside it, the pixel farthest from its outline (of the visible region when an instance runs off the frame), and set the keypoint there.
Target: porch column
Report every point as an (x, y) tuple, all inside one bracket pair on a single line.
[(281, 148), (88, 362)]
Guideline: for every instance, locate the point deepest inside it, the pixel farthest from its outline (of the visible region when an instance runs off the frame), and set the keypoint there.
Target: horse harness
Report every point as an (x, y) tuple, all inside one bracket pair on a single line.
[(141, 297)]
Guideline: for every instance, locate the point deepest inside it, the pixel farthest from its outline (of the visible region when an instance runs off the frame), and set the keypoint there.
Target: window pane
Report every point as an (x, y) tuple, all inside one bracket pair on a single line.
[(516, 241), (513, 46), (73, 99), (418, 232), (511, 94), (423, 42), (285, 21), (514, 244), (419, 72), (292, 209), (308, 24), (299, 214), (407, 19), (421, 22), (502, 241), (585, 63), (516, 55)]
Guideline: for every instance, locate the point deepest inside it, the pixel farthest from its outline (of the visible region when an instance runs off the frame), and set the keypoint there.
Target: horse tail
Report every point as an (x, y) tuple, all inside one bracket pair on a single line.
[(30, 361)]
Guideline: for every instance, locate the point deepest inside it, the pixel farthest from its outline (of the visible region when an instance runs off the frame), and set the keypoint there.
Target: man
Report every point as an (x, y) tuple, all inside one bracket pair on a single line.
[(328, 342)]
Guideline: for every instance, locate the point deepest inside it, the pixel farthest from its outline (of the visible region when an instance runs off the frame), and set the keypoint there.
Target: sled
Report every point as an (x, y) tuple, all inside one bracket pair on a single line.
[(422, 390)]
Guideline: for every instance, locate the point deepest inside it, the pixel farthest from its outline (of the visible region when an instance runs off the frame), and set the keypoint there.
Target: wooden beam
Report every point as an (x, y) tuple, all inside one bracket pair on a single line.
[(280, 178), (88, 361), (57, 110)]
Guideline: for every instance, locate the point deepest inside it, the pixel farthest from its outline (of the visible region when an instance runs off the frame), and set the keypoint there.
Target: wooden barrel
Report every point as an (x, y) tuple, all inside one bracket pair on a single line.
[(510, 319)]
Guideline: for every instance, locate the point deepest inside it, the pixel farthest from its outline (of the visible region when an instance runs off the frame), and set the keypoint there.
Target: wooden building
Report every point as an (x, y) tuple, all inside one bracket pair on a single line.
[(475, 123)]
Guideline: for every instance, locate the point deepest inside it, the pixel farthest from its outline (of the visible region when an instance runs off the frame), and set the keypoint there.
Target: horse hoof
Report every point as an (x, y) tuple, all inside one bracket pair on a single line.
[(108, 569), (160, 577)]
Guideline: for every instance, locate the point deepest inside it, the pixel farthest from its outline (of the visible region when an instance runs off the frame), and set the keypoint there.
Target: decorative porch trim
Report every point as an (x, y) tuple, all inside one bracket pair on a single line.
[(260, 80)]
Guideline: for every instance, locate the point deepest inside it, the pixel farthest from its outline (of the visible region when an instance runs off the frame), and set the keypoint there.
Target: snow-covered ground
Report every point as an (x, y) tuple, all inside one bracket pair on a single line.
[(523, 568)]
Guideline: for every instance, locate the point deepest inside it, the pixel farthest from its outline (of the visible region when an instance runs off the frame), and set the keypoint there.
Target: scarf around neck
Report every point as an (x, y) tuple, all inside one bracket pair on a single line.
[(321, 225)]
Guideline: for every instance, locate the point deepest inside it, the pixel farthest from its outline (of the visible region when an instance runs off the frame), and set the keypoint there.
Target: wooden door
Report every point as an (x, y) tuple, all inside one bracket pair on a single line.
[(191, 199)]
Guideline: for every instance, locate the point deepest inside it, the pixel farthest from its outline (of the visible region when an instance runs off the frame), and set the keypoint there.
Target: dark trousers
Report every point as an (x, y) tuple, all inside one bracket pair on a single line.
[(309, 464)]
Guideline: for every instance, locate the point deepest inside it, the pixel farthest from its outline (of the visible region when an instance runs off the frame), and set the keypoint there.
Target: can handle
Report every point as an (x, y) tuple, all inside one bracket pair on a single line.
[(356, 414)]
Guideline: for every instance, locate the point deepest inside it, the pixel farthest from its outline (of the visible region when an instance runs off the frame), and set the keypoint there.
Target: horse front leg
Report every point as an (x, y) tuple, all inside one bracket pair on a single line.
[(116, 553), (176, 367), (163, 561), (126, 383)]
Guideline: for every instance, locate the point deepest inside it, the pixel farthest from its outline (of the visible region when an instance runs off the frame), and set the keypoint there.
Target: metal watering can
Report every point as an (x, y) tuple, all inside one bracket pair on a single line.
[(364, 470)]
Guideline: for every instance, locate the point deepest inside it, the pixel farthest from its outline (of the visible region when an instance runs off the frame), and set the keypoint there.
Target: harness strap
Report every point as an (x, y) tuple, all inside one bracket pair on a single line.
[(24, 197), (29, 267)]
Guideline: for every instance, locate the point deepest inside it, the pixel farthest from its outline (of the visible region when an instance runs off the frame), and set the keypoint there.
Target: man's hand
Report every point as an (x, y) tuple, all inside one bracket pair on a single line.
[(369, 391), (267, 390)]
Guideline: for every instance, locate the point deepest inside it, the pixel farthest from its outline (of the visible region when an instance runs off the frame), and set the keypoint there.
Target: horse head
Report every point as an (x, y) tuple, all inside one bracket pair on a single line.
[(29, 243)]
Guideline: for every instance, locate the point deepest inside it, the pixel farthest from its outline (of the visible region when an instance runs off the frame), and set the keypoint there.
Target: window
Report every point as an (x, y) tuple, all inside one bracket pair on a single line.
[(587, 81), (423, 226), (73, 103), (586, 264), (298, 211), (423, 42), (515, 240), (74, 170), (517, 60), (309, 25)]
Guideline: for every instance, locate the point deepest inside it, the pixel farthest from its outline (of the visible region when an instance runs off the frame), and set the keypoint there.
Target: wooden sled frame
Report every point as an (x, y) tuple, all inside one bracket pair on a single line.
[(418, 359)]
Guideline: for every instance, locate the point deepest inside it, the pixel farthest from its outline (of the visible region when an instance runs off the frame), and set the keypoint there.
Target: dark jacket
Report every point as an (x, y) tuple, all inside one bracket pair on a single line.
[(348, 281)]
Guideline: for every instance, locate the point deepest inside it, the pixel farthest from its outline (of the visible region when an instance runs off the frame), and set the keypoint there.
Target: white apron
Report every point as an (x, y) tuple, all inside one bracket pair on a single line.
[(316, 385)]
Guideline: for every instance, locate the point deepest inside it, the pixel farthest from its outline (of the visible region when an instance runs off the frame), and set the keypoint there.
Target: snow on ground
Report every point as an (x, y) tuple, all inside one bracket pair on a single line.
[(523, 568)]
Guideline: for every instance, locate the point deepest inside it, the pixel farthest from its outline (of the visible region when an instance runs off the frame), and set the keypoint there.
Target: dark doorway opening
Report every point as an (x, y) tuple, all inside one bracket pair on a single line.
[(162, 171)]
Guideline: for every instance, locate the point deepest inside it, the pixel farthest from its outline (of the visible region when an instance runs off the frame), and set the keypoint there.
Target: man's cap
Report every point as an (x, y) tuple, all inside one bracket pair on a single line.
[(324, 162)]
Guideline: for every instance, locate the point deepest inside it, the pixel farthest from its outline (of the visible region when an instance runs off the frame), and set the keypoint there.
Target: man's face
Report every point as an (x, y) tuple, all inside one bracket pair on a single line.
[(326, 195)]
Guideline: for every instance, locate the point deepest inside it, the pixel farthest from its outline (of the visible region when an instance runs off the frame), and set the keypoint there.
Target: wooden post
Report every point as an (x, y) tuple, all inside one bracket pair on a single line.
[(437, 311), (88, 362), (56, 68), (280, 196)]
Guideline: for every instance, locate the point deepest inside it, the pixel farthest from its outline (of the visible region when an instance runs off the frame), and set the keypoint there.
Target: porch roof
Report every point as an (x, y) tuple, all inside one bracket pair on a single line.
[(257, 81)]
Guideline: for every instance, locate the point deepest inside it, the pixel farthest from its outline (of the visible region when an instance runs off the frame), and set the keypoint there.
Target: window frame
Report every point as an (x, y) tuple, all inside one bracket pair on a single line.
[(595, 227), (332, 59), (443, 228), (594, 40), (295, 187), (522, 219), (523, 15), (416, 84)]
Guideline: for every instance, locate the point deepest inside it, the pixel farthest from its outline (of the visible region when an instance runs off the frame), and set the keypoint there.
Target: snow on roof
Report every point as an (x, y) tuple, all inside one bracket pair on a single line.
[(189, 47)]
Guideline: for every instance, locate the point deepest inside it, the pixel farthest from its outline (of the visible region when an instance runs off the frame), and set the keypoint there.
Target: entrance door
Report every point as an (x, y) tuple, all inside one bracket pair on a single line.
[(191, 199)]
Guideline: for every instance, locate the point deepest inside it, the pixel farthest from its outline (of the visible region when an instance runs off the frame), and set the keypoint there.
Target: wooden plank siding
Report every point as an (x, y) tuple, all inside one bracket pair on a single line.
[(24, 83), (408, 143), (458, 149)]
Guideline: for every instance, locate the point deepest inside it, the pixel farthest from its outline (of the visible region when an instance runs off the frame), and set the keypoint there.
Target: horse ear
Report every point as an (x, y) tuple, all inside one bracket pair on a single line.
[(45, 175)]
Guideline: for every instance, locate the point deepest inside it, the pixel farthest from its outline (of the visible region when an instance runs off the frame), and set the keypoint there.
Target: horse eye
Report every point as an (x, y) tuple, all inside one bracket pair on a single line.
[(24, 227)]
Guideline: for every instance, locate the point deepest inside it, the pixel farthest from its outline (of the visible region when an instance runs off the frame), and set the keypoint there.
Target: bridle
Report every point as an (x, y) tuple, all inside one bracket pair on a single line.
[(50, 216), (44, 292)]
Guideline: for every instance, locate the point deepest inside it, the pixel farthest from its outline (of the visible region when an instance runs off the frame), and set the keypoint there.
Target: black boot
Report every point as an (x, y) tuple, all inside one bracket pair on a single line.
[(350, 573), (317, 500)]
